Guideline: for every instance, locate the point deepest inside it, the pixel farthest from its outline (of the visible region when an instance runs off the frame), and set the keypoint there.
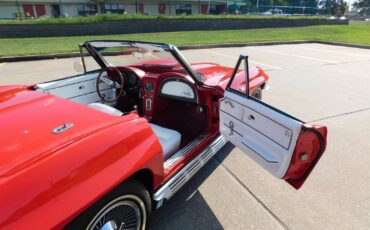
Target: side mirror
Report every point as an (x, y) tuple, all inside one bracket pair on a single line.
[(78, 66)]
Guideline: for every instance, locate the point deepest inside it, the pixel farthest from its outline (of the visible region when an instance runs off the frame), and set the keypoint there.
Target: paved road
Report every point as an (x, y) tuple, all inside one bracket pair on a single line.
[(317, 83)]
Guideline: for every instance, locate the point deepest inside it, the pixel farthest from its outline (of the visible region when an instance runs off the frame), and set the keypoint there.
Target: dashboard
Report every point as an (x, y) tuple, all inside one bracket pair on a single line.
[(133, 82), (140, 90), (149, 87), (178, 88), (146, 87)]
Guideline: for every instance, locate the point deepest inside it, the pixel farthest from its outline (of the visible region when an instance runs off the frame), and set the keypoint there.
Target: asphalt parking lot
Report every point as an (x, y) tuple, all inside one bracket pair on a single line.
[(317, 83)]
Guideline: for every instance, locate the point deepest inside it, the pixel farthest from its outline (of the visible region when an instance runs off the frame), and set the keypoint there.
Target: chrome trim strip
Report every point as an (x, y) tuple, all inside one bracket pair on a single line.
[(166, 191), (184, 151)]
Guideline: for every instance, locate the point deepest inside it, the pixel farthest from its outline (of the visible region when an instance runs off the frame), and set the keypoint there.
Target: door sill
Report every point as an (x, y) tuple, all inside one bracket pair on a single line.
[(167, 190), (170, 162)]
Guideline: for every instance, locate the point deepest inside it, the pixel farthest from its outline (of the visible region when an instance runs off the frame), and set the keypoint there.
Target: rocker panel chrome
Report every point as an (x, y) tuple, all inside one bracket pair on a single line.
[(184, 151), (184, 175)]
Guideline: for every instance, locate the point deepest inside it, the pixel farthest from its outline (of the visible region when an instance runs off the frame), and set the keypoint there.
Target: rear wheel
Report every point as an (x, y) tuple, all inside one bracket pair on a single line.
[(126, 207), (257, 93)]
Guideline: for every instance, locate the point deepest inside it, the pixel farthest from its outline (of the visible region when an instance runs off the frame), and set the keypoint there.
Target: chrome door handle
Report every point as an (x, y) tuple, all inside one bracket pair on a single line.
[(231, 127), (251, 117)]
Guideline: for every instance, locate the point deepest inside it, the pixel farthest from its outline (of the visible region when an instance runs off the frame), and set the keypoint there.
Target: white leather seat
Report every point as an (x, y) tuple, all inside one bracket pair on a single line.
[(169, 139), (106, 108)]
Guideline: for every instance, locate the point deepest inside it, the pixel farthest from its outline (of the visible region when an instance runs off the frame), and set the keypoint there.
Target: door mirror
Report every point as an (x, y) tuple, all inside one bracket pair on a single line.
[(78, 66)]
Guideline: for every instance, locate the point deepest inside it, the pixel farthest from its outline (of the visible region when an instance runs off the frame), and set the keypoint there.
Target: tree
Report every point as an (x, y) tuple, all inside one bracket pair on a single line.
[(333, 7), (343, 9), (363, 7)]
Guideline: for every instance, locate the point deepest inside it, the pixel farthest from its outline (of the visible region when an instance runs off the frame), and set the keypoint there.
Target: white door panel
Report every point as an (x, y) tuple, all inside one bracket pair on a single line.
[(283, 145), (81, 88), (266, 135)]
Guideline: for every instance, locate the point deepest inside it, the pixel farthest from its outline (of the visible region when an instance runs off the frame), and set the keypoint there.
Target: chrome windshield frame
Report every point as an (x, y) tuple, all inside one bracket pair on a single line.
[(167, 47)]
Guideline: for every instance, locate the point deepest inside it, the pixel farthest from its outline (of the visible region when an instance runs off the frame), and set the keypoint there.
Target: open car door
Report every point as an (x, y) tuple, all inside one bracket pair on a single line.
[(285, 146)]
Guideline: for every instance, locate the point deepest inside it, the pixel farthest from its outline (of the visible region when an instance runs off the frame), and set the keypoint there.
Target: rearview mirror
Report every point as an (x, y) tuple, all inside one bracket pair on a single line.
[(137, 54), (78, 66), (141, 53)]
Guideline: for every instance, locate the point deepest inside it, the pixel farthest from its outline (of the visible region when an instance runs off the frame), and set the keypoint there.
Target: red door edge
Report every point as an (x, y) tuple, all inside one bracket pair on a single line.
[(311, 144)]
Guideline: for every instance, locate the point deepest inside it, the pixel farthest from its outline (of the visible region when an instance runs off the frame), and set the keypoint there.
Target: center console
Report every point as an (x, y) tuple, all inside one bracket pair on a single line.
[(149, 90)]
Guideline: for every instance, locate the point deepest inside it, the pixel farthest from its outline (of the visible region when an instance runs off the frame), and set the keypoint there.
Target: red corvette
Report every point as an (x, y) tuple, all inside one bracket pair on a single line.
[(102, 149)]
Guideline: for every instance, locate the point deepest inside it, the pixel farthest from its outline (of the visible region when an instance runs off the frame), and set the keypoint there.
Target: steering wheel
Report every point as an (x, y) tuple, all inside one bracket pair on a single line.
[(114, 84)]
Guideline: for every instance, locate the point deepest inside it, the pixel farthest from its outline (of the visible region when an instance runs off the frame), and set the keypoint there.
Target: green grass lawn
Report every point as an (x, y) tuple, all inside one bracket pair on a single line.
[(358, 33), (117, 17)]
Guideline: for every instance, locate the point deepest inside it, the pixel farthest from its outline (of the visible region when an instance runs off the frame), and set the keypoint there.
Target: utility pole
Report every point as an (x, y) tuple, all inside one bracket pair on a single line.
[(349, 6), (226, 8), (19, 11), (61, 8), (170, 7), (100, 6), (136, 6)]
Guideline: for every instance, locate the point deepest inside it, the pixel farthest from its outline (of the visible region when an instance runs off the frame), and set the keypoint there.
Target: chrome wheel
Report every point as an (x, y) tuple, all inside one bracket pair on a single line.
[(257, 94), (125, 212)]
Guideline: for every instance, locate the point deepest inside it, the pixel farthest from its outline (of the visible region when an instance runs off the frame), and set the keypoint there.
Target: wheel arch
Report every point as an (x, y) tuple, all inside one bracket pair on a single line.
[(146, 177)]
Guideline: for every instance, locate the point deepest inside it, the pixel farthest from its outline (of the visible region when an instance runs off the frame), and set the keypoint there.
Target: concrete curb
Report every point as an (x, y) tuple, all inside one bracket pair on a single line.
[(344, 44), (76, 54), (38, 57), (229, 45)]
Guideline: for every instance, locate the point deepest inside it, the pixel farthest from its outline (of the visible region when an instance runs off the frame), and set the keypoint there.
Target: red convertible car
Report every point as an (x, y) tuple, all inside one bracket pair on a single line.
[(101, 150)]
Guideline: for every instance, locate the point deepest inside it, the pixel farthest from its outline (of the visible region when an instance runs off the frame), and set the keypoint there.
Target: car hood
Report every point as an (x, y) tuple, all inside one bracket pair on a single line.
[(28, 119), (216, 75), (213, 73)]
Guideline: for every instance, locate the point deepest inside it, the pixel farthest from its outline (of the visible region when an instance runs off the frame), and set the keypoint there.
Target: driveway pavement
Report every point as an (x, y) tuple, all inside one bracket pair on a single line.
[(317, 83)]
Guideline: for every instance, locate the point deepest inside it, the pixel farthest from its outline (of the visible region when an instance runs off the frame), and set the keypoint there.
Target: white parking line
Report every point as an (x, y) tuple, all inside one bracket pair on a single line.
[(330, 51), (235, 57), (294, 55), (270, 66)]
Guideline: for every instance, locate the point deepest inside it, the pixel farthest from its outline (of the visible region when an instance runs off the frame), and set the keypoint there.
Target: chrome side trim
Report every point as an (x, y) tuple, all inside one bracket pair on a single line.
[(166, 191), (184, 151)]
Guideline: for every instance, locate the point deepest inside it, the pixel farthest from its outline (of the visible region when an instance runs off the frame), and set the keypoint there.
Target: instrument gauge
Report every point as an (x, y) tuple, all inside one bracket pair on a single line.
[(149, 86), (132, 79)]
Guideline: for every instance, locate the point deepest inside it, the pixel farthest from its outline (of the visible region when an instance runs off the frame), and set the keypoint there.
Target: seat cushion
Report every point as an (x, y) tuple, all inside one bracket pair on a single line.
[(169, 139), (106, 109)]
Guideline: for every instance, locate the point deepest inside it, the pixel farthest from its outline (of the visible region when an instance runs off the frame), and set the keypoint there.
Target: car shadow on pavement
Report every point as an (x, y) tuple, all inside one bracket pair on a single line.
[(187, 209)]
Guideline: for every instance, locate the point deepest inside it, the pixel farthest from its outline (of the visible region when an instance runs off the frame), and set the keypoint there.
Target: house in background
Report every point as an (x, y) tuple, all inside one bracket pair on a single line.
[(72, 8)]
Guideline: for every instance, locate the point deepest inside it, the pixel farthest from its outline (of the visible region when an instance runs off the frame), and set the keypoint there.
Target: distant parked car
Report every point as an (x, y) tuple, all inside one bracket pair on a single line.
[(275, 12)]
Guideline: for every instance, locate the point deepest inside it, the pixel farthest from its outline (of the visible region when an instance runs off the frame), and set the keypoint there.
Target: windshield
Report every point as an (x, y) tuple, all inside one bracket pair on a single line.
[(129, 53), (125, 54)]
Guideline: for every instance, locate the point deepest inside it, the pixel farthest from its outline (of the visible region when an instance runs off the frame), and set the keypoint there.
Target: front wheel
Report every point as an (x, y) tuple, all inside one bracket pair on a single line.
[(126, 207)]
